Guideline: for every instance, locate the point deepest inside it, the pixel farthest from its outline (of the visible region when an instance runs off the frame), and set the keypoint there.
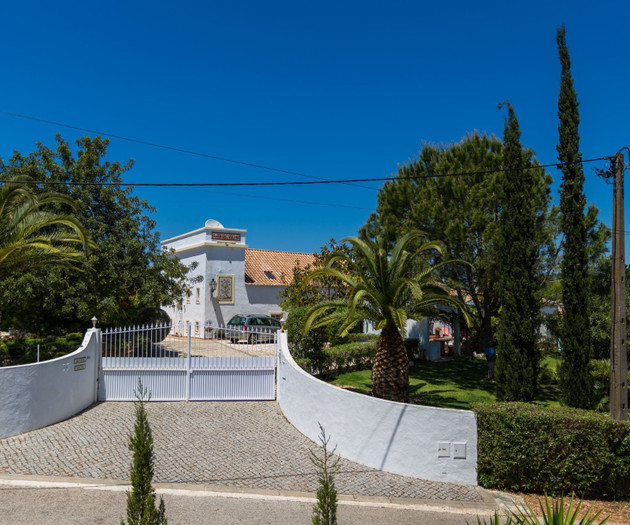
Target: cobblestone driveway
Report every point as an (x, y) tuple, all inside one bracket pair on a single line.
[(230, 444)]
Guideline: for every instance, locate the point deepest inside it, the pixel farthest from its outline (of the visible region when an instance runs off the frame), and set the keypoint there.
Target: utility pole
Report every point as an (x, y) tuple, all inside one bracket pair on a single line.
[(618, 352)]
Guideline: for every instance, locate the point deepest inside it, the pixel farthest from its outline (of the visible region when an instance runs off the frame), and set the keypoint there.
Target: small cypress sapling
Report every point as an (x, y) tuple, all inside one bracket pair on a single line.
[(325, 510), (141, 509)]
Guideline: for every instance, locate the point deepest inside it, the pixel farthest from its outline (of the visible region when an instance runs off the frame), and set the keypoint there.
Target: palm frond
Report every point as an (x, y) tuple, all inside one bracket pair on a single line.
[(383, 286), (31, 236)]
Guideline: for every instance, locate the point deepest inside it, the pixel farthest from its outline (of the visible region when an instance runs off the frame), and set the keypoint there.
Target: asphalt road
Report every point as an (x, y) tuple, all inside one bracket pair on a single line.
[(53, 502)]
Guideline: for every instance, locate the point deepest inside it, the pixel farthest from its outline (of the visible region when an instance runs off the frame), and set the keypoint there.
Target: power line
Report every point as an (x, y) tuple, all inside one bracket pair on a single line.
[(319, 180), (248, 196), (297, 183), (173, 148)]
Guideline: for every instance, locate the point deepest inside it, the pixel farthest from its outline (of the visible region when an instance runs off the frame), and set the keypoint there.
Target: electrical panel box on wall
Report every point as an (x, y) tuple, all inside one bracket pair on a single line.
[(459, 450), (444, 449)]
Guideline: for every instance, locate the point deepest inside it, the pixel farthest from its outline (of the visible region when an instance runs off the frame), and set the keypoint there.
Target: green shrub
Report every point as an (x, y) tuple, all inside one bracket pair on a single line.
[(348, 358), (304, 363), (305, 346), (362, 338), (23, 350), (553, 513), (74, 338), (346, 354), (16, 348), (332, 334), (4, 352), (525, 448)]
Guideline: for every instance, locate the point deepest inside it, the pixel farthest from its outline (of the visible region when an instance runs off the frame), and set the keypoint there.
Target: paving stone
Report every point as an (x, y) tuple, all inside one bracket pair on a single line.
[(224, 444)]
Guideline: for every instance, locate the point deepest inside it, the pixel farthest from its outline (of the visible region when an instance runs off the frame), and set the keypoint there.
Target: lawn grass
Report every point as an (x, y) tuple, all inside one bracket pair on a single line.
[(454, 383)]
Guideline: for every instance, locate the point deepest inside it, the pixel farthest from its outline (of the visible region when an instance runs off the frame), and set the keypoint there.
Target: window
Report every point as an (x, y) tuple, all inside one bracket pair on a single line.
[(197, 327), (270, 274), (197, 295), (225, 289)]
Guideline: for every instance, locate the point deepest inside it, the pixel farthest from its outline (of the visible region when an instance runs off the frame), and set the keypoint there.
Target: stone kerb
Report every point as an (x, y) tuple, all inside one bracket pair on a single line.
[(429, 443), (40, 394)]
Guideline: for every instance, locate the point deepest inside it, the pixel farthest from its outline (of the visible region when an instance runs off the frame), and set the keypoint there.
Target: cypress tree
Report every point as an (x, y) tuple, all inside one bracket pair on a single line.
[(141, 509), (325, 510), (575, 379), (518, 359)]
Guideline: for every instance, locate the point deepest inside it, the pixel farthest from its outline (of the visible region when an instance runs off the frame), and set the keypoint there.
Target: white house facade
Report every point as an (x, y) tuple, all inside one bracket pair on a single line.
[(236, 279)]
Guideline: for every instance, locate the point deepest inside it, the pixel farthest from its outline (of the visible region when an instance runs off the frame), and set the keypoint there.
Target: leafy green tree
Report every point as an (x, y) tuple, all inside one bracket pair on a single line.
[(126, 272), (577, 388), (141, 509), (32, 237), (304, 291), (600, 277), (461, 210), (519, 242), (385, 287), (307, 347)]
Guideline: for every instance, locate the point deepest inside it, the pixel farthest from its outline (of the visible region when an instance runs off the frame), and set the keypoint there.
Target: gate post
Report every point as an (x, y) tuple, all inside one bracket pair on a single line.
[(98, 357), (188, 362)]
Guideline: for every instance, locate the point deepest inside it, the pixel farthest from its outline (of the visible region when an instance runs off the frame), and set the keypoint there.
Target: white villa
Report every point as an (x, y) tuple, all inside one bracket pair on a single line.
[(242, 280), (236, 279)]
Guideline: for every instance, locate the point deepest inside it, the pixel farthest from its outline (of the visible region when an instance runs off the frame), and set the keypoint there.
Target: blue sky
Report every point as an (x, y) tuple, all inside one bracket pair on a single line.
[(329, 89)]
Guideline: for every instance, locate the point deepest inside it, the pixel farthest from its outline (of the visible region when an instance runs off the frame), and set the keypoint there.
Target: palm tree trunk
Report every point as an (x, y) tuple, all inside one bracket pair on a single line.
[(390, 373)]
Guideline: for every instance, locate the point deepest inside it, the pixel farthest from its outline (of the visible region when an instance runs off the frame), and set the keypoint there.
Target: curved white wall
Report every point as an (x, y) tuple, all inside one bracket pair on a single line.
[(40, 394), (411, 440)]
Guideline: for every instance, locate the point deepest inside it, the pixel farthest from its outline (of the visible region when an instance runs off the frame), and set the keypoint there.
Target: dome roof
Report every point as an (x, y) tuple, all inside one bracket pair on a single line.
[(211, 223)]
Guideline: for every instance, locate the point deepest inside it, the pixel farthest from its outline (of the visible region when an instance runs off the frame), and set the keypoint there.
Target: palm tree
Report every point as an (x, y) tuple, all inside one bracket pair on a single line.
[(31, 237), (385, 289)]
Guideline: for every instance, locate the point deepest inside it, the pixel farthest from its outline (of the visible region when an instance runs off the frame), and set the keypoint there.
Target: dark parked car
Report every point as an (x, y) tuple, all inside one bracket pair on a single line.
[(252, 328)]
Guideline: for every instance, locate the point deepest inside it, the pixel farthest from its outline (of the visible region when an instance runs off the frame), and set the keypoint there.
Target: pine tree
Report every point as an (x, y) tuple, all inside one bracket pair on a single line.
[(460, 210), (141, 508), (518, 359), (574, 330), (325, 510)]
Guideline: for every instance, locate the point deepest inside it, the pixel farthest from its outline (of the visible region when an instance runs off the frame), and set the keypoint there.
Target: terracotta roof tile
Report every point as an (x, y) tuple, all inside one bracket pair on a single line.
[(272, 268)]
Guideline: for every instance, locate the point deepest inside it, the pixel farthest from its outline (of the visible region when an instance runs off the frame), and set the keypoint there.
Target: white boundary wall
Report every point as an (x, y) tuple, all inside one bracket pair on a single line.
[(36, 395), (412, 440)]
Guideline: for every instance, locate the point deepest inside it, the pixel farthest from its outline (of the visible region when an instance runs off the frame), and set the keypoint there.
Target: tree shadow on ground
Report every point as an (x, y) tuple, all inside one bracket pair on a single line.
[(455, 383), (468, 374), (436, 398)]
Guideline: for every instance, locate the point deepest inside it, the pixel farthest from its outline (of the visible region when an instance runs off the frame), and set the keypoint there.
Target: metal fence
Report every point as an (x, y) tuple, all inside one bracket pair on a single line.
[(174, 364)]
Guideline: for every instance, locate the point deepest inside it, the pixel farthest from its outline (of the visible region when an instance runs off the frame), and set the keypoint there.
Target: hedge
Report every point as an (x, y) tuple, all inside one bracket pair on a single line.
[(23, 350), (349, 357), (554, 451), (362, 338)]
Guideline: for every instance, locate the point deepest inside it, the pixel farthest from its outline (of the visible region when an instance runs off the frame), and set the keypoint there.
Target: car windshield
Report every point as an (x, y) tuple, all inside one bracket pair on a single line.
[(266, 322), (236, 321)]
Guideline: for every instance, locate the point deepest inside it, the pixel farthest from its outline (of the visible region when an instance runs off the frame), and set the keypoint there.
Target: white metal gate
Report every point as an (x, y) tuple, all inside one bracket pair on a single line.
[(176, 365)]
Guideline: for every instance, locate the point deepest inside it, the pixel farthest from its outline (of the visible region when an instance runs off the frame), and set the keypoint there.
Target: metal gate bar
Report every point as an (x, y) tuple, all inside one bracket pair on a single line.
[(227, 364)]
